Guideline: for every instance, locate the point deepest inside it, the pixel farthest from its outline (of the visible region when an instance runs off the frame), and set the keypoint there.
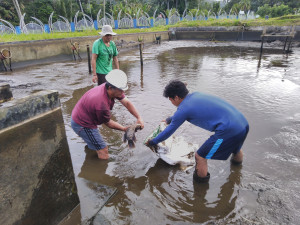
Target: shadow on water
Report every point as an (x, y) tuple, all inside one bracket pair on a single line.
[(264, 191)]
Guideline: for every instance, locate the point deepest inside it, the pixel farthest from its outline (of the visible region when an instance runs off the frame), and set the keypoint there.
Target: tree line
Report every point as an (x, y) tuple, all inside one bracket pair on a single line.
[(42, 9)]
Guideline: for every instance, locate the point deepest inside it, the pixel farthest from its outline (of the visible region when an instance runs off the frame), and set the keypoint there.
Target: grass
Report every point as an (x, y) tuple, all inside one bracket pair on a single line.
[(287, 20), (278, 21), (209, 23), (45, 36)]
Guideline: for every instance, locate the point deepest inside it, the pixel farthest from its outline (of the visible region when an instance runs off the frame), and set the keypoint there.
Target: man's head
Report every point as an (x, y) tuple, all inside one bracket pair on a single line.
[(113, 92), (175, 91), (116, 83), (107, 33)]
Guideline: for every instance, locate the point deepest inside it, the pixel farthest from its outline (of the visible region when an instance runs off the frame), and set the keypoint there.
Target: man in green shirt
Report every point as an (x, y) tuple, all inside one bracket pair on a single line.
[(104, 52)]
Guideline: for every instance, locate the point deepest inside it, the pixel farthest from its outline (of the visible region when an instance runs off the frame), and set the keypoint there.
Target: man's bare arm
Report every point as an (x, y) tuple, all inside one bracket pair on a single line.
[(131, 108), (94, 58)]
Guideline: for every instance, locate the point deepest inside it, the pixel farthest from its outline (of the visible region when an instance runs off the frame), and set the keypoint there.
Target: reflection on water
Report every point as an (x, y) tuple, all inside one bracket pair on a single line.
[(223, 205), (263, 191)]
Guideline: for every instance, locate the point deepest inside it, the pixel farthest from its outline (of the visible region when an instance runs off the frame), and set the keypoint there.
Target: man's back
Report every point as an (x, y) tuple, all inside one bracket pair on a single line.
[(93, 108), (212, 113), (208, 112)]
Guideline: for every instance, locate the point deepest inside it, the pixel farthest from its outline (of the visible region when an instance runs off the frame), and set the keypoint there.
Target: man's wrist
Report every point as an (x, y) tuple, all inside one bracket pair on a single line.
[(151, 142), (169, 120)]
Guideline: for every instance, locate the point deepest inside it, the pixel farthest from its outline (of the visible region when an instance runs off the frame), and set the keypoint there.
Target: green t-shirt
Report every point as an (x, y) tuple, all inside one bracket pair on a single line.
[(105, 55)]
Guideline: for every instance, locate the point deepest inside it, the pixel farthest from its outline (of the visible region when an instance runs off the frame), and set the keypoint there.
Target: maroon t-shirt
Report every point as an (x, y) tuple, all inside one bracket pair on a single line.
[(93, 108)]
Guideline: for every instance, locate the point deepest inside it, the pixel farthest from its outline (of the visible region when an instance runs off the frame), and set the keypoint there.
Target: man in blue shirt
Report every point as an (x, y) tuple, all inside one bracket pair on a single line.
[(210, 113)]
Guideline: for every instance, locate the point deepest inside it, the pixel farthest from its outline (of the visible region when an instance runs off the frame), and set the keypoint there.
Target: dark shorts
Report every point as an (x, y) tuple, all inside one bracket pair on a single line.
[(220, 148), (91, 136), (101, 78)]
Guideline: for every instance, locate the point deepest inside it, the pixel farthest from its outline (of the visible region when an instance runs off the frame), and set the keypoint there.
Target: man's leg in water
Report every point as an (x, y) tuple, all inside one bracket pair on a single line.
[(201, 175), (237, 158), (103, 153), (93, 139), (201, 166)]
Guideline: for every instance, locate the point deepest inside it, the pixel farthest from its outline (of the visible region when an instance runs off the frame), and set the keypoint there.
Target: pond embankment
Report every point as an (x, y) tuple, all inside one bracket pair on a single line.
[(237, 33), (28, 53)]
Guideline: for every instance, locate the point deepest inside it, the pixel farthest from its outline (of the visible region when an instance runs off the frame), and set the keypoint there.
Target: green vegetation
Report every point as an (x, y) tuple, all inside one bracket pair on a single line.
[(275, 11), (287, 20), (31, 37), (42, 9)]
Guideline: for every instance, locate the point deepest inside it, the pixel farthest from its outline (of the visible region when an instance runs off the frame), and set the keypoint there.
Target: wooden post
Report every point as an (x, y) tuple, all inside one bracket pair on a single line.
[(261, 50), (74, 54), (285, 43), (142, 80), (2, 60), (262, 44), (89, 58), (288, 50), (258, 65), (10, 64), (141, 54)]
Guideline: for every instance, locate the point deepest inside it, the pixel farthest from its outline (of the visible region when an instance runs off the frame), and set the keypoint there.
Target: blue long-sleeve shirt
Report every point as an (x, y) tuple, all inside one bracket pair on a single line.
[(208, 112)]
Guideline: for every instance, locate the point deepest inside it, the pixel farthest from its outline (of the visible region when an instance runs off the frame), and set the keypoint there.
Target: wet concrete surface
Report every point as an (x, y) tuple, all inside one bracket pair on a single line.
[(37, 178), (264, 190)]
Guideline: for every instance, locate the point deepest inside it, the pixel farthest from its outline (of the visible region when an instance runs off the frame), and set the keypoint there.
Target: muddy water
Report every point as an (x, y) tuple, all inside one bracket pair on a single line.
[(264, 190)]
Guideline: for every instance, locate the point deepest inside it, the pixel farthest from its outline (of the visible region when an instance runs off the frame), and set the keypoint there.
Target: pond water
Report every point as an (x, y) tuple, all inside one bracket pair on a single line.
[(264, 190)]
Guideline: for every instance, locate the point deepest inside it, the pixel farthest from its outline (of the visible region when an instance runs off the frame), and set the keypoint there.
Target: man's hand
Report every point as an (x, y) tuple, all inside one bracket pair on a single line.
[(125, 128), (95, 78), (141, 122), (115, 125), (152, 146)]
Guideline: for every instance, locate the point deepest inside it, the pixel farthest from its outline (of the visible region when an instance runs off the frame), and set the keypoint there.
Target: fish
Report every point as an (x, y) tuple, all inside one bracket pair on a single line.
[(174, 150), (129, 135)]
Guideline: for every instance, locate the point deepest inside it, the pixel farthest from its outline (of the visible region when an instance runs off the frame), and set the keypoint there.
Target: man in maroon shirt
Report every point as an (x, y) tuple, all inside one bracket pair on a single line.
[(94, 108)]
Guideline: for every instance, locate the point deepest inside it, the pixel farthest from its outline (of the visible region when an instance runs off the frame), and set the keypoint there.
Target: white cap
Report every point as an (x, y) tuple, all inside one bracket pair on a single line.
[(118, 79), (106, 29)]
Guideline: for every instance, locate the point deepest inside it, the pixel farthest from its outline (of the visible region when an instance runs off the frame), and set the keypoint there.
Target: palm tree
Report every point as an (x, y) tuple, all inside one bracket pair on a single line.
[(236, 8), (245, 5)]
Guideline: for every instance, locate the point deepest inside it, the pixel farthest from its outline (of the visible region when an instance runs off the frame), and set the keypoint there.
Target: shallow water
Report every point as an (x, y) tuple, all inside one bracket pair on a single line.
[(264, 190)]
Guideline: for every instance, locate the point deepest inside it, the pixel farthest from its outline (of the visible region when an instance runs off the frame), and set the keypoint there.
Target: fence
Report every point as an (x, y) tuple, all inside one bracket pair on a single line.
[(123, 23)]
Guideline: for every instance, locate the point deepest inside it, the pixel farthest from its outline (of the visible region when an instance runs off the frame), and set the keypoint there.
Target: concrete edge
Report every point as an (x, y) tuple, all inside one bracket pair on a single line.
[(19, 110), (28, 120), (236, 28)]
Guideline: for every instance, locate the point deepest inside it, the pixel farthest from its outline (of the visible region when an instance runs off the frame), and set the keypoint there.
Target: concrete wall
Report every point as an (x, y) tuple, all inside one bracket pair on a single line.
[(37, 179), (59, 49), (228, 33)]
